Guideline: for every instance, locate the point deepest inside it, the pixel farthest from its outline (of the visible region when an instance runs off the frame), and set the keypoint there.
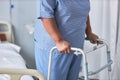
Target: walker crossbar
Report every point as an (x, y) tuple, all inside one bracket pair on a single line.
[(102, 68)]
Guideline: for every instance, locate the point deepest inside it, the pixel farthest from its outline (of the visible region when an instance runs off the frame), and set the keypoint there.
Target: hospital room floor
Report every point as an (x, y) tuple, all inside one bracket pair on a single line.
[(82, 78), (89, 79)]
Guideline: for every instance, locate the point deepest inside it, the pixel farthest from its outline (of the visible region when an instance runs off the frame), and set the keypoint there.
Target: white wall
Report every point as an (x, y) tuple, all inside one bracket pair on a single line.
[(23, 13), (4, 10)]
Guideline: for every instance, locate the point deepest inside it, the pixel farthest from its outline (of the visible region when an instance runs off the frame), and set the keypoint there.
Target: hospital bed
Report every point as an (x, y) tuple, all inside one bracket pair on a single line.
[(12, 65)]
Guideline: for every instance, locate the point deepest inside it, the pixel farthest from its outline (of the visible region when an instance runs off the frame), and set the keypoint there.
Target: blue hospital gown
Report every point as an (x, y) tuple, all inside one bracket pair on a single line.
[(70, 16)]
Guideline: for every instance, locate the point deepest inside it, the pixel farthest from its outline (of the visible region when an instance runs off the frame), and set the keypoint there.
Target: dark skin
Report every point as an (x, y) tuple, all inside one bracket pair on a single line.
[(90, 34), (62, 45)]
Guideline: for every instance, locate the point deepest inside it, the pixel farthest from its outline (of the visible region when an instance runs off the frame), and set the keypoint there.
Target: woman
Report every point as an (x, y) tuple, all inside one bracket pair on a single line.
[(61, 23)]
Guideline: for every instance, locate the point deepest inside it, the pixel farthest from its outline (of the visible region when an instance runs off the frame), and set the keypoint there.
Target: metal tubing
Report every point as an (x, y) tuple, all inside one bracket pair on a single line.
[(102, 68)]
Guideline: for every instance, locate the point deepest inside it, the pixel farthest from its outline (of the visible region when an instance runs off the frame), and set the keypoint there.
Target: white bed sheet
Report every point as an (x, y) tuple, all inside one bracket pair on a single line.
[(10, 58)]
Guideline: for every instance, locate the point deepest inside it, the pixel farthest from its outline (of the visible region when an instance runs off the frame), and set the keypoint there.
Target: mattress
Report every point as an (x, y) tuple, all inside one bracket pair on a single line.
[(10, 58)]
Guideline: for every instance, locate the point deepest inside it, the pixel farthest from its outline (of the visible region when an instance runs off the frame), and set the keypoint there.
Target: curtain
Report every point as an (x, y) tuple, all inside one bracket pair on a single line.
[(104, 22), (116, 67)]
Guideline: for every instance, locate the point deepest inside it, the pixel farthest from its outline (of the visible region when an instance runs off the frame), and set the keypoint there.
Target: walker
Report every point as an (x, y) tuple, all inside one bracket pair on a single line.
[(78, 51)]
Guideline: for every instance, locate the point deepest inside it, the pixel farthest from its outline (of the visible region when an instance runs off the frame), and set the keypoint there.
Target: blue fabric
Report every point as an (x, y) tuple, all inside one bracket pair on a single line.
[(70, 16)]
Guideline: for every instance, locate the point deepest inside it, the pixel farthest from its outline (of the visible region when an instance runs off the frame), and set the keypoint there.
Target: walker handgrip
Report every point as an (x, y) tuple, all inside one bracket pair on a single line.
[(98, 40), (77, 51)]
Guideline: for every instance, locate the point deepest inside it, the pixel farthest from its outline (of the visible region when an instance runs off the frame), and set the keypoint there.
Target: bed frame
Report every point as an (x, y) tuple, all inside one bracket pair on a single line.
[(16, 74)]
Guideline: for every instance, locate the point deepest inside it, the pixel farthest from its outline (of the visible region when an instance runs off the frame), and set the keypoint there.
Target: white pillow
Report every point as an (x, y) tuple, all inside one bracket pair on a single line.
[(10, 46)]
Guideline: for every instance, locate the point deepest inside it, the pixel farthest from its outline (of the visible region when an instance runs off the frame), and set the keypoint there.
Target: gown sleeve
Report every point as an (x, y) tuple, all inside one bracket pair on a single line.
[(46, 8)]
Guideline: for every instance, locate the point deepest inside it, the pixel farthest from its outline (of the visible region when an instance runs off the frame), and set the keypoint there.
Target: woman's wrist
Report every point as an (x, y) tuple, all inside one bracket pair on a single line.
[(88, 33), (58, 40)]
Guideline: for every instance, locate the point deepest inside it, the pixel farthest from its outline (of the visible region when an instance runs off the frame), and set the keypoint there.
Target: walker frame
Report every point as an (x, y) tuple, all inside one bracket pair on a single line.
[(79, 51)]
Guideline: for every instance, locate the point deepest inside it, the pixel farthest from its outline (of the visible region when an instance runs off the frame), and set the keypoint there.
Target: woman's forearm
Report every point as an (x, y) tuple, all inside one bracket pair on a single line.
[(88, 27), (51, 28), (93, 37)]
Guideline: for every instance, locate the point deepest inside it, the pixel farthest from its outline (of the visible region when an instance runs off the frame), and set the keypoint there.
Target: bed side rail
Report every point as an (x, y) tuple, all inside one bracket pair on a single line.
[(16, 74)]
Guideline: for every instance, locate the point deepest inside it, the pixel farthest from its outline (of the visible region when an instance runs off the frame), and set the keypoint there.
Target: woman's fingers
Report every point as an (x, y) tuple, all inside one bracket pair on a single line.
[(93, 38), (66, 50), (63, 46)]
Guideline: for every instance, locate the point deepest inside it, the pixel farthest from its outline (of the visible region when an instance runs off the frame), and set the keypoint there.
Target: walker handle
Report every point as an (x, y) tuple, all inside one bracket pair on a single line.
[(101, 43), (99, 40)]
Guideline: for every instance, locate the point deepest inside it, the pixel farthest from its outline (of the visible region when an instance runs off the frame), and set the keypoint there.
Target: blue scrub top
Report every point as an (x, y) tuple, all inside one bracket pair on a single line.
[(70, 16)]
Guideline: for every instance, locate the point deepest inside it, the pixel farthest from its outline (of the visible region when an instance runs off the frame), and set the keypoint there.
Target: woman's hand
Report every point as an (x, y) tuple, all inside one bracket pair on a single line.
[(63, 46), (93, 38)]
